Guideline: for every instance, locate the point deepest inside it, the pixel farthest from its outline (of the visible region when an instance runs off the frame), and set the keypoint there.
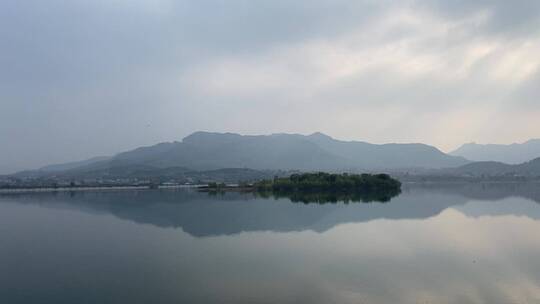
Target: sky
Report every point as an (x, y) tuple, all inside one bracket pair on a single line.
[(83, 78)]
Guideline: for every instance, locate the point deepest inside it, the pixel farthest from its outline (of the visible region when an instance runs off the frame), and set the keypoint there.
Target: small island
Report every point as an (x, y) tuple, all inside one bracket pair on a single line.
[(324, 187), (321, 187)]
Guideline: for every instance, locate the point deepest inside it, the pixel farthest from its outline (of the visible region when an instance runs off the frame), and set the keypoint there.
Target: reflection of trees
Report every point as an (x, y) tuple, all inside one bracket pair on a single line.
[(318, 197)]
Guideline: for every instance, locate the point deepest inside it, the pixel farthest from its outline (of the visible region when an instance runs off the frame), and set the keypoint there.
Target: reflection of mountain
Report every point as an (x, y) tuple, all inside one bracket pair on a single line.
[(487, 191), (513, 206), (496, 199), (202, 215)]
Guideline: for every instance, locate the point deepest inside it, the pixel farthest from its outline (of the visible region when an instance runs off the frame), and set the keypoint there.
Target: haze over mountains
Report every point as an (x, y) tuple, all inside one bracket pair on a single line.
[(510, 154), (491, 168), (230, 155), (73, 165), (211, 151)]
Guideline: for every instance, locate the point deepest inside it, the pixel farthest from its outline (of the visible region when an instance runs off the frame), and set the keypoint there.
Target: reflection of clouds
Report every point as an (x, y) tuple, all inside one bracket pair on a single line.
[(450, 258)]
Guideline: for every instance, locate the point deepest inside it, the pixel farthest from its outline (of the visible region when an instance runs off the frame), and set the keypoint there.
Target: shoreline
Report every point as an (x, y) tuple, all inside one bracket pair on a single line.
[(205, 188), (99, 188)]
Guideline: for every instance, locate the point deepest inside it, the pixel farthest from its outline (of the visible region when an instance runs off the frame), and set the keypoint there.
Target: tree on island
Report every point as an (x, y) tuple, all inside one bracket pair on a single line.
[(324, 187)]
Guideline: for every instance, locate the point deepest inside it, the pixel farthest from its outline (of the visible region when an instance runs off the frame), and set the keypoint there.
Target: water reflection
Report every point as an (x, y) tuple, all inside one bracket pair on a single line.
[(229, 213), (202, 215), (451, 244), (307, 197)]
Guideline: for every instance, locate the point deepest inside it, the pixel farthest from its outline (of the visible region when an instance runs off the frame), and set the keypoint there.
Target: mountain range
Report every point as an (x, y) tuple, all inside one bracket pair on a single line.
[(206, 155), (212, 151), (491, 168), (510, 154)]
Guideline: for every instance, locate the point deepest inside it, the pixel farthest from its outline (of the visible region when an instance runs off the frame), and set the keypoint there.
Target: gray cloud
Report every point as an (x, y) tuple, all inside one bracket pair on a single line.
[(86, 78), (519, 17)]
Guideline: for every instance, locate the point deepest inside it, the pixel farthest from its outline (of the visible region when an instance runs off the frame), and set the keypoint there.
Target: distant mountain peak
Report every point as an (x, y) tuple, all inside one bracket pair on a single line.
[(320, 135), (515, 153), (203, 137)]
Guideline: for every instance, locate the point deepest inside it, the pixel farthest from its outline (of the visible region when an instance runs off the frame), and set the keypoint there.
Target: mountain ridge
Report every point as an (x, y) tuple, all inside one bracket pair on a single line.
[(493, 168), (515, 153), (281, 151)]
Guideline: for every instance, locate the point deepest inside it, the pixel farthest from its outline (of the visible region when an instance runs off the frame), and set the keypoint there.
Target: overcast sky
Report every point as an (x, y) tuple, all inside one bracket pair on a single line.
[(86, 78)]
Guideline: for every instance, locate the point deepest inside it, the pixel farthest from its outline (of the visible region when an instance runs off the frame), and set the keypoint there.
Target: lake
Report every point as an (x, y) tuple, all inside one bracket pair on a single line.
[(471, 243)]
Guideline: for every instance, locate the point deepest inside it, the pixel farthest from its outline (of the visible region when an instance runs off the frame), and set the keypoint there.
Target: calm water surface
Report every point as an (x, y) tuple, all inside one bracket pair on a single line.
[(452, 244)]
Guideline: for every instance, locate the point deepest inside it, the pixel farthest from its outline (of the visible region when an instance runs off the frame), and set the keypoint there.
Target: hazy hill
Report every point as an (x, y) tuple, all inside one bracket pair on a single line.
[(510, 154), (386, 156), (73, 165), (205, 151), (490, 168)]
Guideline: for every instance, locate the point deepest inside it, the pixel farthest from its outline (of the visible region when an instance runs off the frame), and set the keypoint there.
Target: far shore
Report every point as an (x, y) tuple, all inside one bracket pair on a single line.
[(99, 188), (233, 187)]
